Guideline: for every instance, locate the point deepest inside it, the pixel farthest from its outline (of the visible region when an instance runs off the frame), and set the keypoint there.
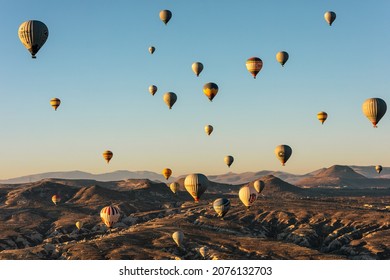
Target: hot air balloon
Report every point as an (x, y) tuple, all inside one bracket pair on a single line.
[(56, 199), (283, 153), (33, 35), (210, 90), (247, 195), (55, 102), (204, 251), (152, 49), (196, 184), (229, 160), (282, 57), (165, 16), (322, 116), (197, 67), (152, 89), (330, 17), (110, 215), (208, 129), (170, 99), (178, 237), (107, 155), (174, 187), (259, 186), (167, 173), (79, 225), (374, 109), (254, 65), (378, 168), (221, 206)]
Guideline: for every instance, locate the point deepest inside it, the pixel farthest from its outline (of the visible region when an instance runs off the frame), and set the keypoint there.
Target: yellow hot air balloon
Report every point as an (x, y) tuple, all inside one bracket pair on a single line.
[(197, 67), (170, 99), (208, 129), (196, 184), (152, 89), (322, 116), (178, 237), (254, 65), (228, 160), (55, 102), (378, 168), (79, 225), (210, 90), (374, 109), (283, 153), (107, 155), (152, 49), (330, 17), (204, 251), (259, 185), (282, 57), (56, 199), (165, 16), (167, 173), (174, 187), (33, 35), (247, 195), (110, 215)]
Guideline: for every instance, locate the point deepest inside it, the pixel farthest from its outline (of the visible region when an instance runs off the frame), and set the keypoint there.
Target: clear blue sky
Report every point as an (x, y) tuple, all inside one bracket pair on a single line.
[(96, 61)]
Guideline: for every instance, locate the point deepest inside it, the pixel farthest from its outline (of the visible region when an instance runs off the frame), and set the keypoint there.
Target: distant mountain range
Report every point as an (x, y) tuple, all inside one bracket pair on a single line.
[(334, 176)]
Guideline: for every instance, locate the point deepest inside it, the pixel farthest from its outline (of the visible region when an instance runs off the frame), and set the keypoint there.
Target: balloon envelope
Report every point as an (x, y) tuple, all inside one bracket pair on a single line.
[(322, 116), (282, 57), (79, 225), (174, 187), (33, 35), (330, 17), (56, 199), (152, 89), (55, 102), (210, 90), (283, 153), (229, 160), (178, 237), (247, 195), (167, 173), (254, 65), (197, 67), (152, 49), (221, 206), (259, 186), (165, 16), (204, 251), (169, 99), (378, 168), (107, 155), (110, 215), (196, 184), (208, 129), (374, 109)]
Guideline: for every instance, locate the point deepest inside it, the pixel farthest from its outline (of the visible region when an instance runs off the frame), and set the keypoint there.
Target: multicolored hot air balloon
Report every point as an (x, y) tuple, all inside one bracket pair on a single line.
[(210, 90), (167, 173), (55, 102), (107, 155), (165, 16), (259, 185), (204, 251), (152, 49), (56, 199), (33, 35), (196, 184), (110, 215), (283, 153), (378, 168), (152, 89), (374, 109), (169, 99), (208, 129), (178, 237), (322, 116), (330, 17), (247, 195), (254, 65), (197, 67), (228, 160), (221, 206), (282, 57), (174, 187)]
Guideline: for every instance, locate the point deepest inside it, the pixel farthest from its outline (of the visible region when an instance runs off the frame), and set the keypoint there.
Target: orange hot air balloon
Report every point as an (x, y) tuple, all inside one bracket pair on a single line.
[(210, 90), (107, 155), (56, 199), (167, 173), (110, 215), (254, 65)]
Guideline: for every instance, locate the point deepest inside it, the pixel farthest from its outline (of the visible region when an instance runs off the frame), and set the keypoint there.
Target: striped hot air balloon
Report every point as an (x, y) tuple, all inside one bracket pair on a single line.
[(374, 109), (322, 116), (110, 215), (55, 102), (210, 90), (221, 206), (107, 155), (33, 35), (56, 199), (254, 65), (196, 184)]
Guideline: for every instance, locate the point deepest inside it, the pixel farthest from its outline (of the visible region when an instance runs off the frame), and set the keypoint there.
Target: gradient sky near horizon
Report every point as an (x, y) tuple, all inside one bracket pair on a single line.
[(96, 61)]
